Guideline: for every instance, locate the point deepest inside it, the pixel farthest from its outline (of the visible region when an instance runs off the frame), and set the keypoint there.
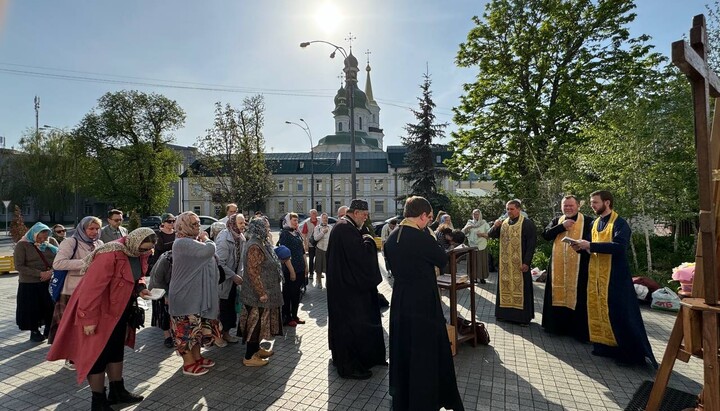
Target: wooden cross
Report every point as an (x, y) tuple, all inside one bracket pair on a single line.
[(691, 59), (695, 332)]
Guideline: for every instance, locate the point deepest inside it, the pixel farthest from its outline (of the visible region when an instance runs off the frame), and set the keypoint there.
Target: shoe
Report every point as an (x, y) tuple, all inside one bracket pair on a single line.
[(291, 323), (359, 375), (231, 339), (220, 342), (36, 336), (100, 402), (205, 362), (299, 321), (482, 281), (255, 361), (263, 353), (69, 365), (119, 395), (194, 370), (169, 342)]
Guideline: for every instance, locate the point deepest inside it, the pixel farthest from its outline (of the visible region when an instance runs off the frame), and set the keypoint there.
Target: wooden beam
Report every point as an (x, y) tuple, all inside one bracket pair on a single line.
[(690, 63), (711, 394)]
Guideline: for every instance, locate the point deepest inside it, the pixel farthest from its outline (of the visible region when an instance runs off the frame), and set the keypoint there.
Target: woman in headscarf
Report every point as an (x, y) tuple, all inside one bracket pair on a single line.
[(34, 255), (476, 230), (58, 233), (94, 328), (261, 295), (193, 295), (70, 257), (295, 275), (229, 243)]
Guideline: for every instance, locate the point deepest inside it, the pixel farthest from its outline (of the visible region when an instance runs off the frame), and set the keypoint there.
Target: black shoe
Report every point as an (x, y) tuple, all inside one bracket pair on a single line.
[(36, 336), (169, 342), (482, 281), (119, 395), (100, 402), (359, 375)]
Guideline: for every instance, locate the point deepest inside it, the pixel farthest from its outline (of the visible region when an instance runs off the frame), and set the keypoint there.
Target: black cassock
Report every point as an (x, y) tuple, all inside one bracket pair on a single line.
[(422, 373), (563, 320), (529, 240), (355, 332)]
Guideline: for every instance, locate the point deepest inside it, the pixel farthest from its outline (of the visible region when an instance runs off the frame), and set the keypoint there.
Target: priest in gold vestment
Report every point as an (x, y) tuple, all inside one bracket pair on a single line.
[(517, 234), (565, 303)]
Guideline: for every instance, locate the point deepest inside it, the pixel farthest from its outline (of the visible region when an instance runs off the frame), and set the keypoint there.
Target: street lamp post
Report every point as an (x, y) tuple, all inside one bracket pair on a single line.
[(350, 86), (75, 191), (306, 129)]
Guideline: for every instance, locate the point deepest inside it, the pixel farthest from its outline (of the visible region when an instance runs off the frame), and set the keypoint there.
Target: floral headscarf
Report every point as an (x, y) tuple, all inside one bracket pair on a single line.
[(130, 245), (233, 227), (256, 230), (183, 224), (80, 233), (31, 237)]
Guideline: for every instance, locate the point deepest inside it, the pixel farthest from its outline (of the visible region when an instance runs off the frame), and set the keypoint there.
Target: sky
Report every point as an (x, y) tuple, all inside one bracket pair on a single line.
[(70, 53)]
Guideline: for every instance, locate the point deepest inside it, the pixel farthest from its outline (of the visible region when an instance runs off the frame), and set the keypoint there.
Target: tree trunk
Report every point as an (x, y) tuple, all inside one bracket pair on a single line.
[(695, 235), (647, 249), (634, 253), (676, 235)]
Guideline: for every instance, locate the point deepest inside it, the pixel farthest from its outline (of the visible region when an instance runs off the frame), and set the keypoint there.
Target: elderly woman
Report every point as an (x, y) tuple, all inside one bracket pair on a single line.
[(476, 229), (193, 296), (96, 324), (321, 234), (230, 243), (261, 295), (295, 272), (70, 257), (34, 255), (58, 233)]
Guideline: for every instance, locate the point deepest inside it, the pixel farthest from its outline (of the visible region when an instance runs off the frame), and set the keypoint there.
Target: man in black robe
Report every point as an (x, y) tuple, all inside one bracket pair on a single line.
[(422, 373), (565, 303), (355, 330), (514, 297), (614, 321)]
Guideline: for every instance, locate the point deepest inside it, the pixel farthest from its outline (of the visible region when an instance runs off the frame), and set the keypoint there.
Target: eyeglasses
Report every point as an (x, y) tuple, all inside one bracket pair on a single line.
[(60, 231), (195, 224), (170, 221), (145, 250), (116, 220)]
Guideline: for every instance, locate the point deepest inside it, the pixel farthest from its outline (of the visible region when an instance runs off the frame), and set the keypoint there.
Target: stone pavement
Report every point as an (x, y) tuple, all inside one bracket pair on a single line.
[(522, 369)]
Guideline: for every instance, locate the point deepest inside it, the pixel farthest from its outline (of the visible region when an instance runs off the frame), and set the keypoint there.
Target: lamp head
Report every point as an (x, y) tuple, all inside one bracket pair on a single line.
[(304, 44), (303, 120), (332, 55)]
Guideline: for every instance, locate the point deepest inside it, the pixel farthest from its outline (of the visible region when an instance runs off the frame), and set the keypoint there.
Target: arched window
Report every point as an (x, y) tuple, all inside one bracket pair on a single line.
[(339, 126)]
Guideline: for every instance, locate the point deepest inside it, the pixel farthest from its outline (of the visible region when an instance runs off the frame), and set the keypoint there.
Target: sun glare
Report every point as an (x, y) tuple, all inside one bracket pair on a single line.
[(328, 17)]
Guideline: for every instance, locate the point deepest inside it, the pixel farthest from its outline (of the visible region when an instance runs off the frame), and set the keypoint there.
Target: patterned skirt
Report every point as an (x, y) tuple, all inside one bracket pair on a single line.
[(190, 330), (257, 324)]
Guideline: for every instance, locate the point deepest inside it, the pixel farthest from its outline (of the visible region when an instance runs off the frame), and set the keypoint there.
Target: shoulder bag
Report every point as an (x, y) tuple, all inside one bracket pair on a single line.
[(57, 281)]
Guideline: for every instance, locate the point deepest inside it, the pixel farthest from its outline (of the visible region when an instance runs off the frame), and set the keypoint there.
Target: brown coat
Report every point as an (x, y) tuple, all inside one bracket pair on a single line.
[(29, 263)]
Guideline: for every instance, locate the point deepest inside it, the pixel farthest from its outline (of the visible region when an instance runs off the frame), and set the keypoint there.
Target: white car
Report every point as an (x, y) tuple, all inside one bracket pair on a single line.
[(206, 221)]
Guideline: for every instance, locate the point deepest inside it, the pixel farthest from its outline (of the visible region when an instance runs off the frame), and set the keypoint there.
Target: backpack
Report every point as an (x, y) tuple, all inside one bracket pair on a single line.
[(161, 272)]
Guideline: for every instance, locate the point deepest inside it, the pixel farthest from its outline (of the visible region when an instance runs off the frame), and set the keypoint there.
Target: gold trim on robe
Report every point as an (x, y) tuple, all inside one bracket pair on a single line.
[(510, 276), (598, 287), (566, 266)]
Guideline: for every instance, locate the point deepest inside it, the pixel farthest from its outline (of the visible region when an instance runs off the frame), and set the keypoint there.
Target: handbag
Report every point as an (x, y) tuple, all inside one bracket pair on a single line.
[(481, 333), (57, 281), (136, 317)]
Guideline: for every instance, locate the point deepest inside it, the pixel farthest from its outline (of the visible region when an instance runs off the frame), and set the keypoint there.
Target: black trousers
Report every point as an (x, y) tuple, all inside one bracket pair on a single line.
[(291, 296), (227, 315), (311, 261)]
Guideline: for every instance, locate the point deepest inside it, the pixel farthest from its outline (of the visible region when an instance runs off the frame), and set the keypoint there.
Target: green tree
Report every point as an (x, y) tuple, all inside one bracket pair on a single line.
[(422, 175), (545, 69), (231, 162), (127, 135), (45, 171)]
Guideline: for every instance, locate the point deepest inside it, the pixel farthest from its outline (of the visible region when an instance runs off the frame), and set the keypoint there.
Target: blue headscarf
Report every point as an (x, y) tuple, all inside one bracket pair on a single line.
[(31, 237), (80, 233)]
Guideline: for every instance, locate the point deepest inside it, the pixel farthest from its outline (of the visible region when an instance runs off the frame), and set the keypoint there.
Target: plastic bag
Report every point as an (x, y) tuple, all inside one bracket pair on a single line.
[(665, 299)]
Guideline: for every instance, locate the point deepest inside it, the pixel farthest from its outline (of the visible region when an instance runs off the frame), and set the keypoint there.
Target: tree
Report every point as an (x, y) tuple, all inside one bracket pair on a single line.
[(231, 162), (17, 226), (422, 175), (127, 136), (545, 69), (45, 172)]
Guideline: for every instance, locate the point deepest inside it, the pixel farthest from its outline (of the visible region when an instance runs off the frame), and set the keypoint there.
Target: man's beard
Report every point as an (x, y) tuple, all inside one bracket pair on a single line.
[(601, 210)]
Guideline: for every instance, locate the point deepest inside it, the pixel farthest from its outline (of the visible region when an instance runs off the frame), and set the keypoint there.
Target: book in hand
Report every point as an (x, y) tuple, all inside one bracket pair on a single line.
[(447, 279), (570, 241)]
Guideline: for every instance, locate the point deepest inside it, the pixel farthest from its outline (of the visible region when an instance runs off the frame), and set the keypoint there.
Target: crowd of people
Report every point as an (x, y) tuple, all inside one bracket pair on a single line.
[(240, 279)]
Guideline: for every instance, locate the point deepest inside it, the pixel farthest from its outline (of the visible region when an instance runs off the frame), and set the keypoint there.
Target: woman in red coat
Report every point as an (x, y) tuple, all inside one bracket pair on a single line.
[(94, 328)]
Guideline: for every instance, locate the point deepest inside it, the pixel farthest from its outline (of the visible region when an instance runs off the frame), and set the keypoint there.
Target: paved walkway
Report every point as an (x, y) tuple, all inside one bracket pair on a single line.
[(522, 369)]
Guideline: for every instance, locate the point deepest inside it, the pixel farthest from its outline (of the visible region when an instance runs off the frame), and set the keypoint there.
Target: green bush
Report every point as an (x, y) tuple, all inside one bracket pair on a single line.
[(664, 258)]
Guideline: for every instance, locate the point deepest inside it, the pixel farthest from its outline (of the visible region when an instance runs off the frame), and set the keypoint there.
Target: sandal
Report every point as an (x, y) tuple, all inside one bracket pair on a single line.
[(205, 362), (194, 370)]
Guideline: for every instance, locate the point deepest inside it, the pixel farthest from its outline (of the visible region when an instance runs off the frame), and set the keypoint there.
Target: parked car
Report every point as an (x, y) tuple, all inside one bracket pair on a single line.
[(378, 225), (206, 221), (152, 221)]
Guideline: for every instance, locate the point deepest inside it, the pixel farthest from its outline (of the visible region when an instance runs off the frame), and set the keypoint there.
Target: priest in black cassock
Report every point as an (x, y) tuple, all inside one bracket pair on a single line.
[(565, 303), (614, 320), (355, 330), (422, 373), (514, 298)]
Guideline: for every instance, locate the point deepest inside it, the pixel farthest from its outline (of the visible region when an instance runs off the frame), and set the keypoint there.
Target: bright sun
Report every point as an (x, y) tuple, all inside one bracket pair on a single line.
[(328, 17)]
